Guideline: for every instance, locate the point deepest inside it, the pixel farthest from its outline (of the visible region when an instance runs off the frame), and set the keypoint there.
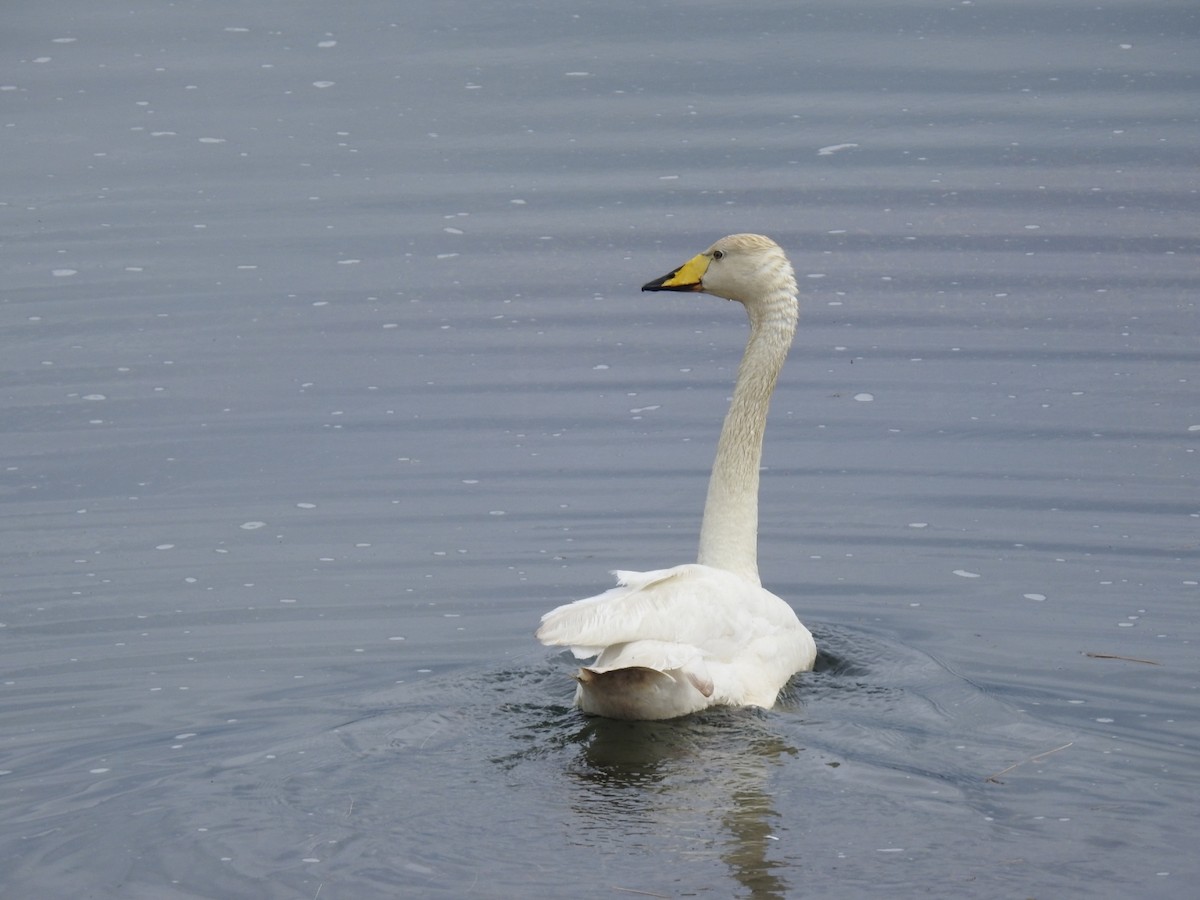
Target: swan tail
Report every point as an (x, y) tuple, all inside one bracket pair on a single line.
[(645, 680), (638, 676), (641, 694)]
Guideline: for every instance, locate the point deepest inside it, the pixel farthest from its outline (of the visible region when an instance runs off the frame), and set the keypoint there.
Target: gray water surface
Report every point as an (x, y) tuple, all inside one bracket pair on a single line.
[(325, 373)]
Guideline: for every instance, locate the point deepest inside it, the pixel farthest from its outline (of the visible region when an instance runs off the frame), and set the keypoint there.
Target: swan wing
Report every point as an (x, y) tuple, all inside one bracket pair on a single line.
[(710, 611)]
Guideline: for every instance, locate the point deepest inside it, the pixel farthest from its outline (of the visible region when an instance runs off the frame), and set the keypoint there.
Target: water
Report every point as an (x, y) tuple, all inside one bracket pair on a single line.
[(325, 373)]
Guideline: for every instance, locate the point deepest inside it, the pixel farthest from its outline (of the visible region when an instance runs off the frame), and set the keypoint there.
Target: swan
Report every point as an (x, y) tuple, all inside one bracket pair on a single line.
[(675, 641)]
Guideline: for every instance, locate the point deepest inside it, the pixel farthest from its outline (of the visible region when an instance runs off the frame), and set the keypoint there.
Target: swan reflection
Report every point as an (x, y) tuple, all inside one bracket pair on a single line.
[(704, 782)]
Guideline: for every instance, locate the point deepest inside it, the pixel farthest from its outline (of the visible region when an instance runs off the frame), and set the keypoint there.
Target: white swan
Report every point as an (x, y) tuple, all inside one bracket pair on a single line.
[(674, 641)]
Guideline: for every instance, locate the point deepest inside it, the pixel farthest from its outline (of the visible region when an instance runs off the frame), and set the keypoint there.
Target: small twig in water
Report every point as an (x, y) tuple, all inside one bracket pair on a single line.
[(995, 779), (640, 893), (429, 736), (1148, 662), (351, 809)]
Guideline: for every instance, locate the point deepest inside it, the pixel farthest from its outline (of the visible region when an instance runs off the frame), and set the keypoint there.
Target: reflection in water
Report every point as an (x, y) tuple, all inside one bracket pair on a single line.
[(719, 799), (705, 788), (493, 775), (679, 778)]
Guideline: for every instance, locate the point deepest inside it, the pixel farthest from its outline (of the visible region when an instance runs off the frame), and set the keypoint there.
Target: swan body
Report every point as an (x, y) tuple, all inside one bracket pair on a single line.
[(674, 641)]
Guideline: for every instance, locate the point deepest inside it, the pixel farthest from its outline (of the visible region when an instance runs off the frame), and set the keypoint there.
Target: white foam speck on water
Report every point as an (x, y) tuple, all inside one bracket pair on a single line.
[(835, 148)]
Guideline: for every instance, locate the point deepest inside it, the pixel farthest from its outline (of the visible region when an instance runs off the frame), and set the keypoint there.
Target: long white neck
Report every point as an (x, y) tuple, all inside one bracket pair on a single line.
[(729, 532)]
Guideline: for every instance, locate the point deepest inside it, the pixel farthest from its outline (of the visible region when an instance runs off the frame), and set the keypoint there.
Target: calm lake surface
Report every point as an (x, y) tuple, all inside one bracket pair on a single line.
[(325, 373)]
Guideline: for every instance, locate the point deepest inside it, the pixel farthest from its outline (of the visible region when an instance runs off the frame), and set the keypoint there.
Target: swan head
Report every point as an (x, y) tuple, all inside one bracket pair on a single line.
[(742, 267)]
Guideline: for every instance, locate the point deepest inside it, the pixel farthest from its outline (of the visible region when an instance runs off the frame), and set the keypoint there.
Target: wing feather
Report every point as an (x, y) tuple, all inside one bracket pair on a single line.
[(692, 605)]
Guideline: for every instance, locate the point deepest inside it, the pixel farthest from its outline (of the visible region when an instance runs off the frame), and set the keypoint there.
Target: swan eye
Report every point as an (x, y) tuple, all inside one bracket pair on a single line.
[(718, 254)]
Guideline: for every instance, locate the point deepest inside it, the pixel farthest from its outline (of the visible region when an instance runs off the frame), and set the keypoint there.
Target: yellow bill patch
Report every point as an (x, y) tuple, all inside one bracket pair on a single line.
[(689, 274)]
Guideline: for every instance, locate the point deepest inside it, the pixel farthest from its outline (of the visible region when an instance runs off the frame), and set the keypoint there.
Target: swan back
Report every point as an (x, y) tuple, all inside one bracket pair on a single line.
[(674, 641)]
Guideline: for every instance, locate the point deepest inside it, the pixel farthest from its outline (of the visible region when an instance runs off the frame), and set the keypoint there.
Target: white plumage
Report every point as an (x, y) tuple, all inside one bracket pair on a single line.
[(674, 641)]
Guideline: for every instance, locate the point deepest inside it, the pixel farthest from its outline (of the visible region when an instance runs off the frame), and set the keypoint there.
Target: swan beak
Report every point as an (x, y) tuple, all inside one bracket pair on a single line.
[(687, 277)]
